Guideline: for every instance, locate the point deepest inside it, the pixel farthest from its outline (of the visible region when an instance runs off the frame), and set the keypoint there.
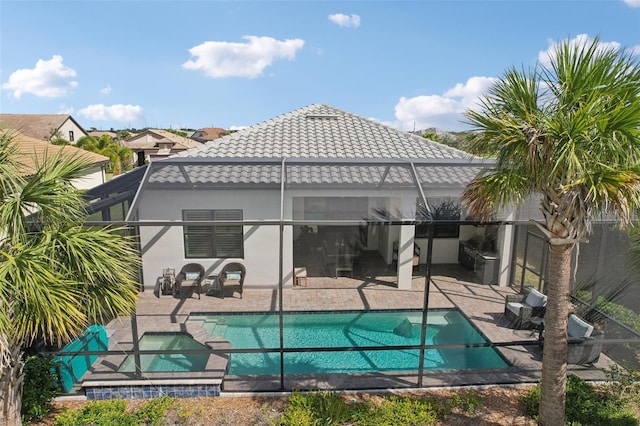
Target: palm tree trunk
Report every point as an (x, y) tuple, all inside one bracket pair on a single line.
[(11, 380), (554, 367)]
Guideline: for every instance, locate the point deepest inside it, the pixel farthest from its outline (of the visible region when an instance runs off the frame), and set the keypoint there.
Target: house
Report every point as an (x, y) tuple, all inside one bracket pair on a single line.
[(44, 127), (99, 133), (155, 144), (325, 175), (207, 134), (32, 151)]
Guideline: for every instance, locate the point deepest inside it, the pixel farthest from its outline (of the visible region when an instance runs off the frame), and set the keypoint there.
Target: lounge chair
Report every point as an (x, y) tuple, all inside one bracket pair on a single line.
[(519, 309), (232, 274), (190, 276), (585, 341)]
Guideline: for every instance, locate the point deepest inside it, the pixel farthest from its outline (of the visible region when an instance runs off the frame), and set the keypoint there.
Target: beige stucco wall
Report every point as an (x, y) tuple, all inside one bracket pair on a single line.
[(163, 246), (95, 176), (67, 126)]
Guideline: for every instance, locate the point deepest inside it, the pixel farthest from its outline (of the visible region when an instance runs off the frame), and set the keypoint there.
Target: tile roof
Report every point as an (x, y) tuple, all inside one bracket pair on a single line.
[(31, 150), (209, 133), (180, 143), (322, 131), (97, 133), (39, 126), (328, 175)]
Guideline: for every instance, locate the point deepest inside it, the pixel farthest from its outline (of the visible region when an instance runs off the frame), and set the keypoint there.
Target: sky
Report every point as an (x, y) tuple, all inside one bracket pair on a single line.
[(191, 64)]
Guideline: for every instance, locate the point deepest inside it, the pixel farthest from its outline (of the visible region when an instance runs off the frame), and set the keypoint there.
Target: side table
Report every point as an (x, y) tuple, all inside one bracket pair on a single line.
[(538, 325), (213, 285)]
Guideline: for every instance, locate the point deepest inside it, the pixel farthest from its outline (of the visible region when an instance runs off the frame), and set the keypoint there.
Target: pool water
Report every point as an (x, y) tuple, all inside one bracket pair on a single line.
[(353, 329), (167, 362)]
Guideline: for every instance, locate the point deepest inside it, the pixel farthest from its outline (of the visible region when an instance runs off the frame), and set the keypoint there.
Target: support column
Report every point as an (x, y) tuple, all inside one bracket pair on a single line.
[(405, 256), (287, 255), (505, 250)]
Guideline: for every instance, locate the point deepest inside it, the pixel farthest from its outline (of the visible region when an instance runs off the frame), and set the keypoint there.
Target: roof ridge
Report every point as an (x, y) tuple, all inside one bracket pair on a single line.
[(312, 132)]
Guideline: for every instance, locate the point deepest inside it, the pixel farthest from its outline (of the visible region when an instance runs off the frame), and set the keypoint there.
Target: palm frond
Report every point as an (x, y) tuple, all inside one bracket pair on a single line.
[(42, 302), (103, 261), (558, 125)]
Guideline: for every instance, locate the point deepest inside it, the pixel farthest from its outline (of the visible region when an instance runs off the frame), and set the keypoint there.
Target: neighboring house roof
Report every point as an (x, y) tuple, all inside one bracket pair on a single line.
[(208, 134), (32, 150), (97, 133), (152, 138), (39, 126), (321, 132)]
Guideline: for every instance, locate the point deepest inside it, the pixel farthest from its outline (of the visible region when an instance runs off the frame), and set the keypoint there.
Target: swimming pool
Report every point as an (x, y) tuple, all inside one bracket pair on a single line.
[(351, 329), (167, 362)]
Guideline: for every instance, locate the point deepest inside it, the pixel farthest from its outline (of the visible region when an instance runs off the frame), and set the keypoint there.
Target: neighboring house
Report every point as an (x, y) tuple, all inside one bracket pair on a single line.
[(44, 127), (98, 133), (32, 150), (207, 134), (156, 144), (337, 167)]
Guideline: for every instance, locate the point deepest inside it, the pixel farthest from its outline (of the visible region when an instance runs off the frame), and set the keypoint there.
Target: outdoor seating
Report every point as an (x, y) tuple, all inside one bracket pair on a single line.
[(190, 276), (585, 341), (416, 254), (519, 309), (232, 274), (339, 256)]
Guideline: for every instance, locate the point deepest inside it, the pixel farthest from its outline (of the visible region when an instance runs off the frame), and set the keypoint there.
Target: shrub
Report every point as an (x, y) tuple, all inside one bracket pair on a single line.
[(467, 402), (625, 382), (39, 388), (330, 408), (99, 413), (586, 405), (319, 408), (401, 410), (114, 412), (152, 411)]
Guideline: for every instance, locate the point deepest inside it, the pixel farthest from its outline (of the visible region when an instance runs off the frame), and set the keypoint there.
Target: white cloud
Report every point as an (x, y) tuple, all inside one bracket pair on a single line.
[(49, 79), (63, 109), (106, 90), (441, 111), (346, 21), (633, 3), (220, 59), (119, 112), (238, 127), (544, 56)]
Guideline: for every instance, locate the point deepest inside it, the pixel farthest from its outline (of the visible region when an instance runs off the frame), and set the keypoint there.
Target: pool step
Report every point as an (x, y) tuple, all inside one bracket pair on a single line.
[(219, 330)]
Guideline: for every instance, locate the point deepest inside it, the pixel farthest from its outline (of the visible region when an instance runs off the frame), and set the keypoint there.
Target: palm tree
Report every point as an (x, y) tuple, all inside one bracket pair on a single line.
[(568, 133), (56, 275), (119, 156)]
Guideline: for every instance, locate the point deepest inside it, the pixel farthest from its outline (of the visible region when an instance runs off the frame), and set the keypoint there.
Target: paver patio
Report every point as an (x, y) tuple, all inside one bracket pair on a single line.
[(451, 287)]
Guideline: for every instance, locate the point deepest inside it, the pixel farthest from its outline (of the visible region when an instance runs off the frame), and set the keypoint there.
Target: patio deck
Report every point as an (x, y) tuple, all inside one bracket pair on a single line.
[(451, 287)]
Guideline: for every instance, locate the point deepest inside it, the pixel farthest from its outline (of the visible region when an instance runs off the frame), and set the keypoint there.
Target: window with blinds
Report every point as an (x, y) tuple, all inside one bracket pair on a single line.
[(213, 241)]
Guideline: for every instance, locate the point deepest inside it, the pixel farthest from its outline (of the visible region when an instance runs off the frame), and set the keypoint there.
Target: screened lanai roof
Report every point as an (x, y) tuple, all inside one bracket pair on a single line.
[(198, 173), (420, 176)]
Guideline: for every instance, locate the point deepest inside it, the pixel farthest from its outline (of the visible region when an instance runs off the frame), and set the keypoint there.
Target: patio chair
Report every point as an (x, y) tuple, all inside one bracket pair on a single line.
[(232, 274), (190, 276), (585, 341), (519, 309)]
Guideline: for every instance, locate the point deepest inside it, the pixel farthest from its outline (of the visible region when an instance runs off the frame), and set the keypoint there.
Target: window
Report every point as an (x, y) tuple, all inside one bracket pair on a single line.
[(213, 241), (443, 210), (70, 135)]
